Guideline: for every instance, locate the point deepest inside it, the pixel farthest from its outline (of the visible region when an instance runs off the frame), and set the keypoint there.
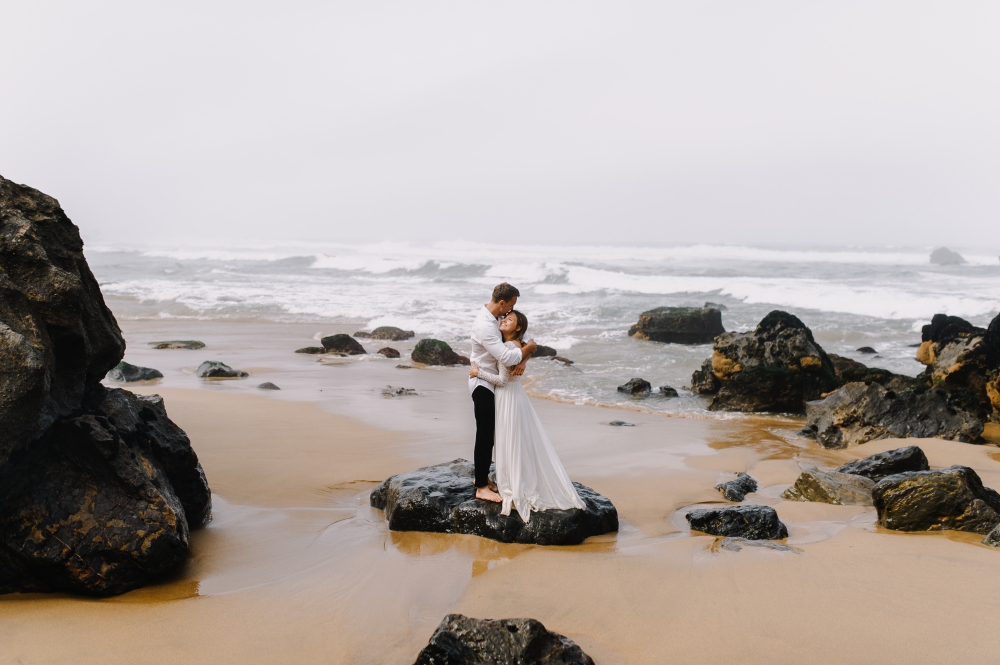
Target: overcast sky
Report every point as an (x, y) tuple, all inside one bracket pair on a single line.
[(667, 122)]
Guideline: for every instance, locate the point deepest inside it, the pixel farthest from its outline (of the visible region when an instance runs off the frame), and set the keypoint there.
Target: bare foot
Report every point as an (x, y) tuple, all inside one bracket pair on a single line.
[(486, 494), (493, 486)]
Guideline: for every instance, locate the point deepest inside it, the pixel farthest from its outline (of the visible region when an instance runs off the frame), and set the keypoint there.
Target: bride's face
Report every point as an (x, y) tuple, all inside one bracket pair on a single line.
[(508, 324)]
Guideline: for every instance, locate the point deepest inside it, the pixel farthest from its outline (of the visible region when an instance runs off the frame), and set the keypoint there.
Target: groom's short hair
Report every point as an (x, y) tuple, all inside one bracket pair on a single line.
[(505, 292)]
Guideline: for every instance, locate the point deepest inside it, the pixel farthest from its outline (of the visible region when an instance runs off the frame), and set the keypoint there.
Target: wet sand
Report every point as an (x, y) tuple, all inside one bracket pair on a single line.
[(296, 568)]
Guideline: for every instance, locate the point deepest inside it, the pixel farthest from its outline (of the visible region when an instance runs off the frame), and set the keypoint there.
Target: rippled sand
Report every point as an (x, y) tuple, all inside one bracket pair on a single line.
[(296, 568)]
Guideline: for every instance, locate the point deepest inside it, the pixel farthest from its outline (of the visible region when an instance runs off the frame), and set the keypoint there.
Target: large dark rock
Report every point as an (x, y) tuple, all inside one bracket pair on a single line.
[(124, 372), (435, 352), (56, 335), (636, 388), (952, 498), (342, 344), (442, 499), (776, 368), (191, 344), (750, 522), (878, 466), (945, 257), (98, 488), (842, 489), (738, 488), (545, 351), (213, 369), (858, 413), (679, 325), (388, 333), (461, 640)]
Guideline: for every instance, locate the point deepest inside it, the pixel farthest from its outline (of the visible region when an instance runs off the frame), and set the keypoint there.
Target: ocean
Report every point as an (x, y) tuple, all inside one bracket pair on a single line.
[(580, 300)]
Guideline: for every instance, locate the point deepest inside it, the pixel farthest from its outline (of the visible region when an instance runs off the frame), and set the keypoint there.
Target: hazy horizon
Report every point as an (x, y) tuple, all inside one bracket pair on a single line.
[(777, 124)]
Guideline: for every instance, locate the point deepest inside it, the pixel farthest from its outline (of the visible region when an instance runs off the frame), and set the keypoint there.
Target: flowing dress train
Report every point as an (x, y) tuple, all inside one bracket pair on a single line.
[(530, 476)]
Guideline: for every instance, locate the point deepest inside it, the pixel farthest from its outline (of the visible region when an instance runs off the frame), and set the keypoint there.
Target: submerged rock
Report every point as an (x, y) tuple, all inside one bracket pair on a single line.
[(545, 352), (442, 499), (738, 488), (679, 325), (704, 381), (636, 388), (858, 413), (313, 350), (667, 391), (124, 372), (750, 522), (435, 352), (342, 344), (952, 498), (877, 467), (774, 369), (192, 344), (389, 352), (388, 333), (867, 349), (842, 489), (267, 385), (461, 640), (945, 257), (213, 369)]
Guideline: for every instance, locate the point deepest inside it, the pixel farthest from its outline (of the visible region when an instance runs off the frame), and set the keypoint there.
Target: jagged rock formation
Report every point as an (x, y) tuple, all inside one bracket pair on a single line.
[(343, 344), (738, 488), (851, 371), (891, 462), (842, 489), (679, 325), (750, 522), (442, 499), (98, 488), (461, 640), (704, 381), (952, 498), (435, 352), (125, 372)]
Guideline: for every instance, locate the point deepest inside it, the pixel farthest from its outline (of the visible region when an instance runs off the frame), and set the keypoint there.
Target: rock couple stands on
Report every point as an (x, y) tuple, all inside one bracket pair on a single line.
[(679, 325), (98, 488), (442, 499)]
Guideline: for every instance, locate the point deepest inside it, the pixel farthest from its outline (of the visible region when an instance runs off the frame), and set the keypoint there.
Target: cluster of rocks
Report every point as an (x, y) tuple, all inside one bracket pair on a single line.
[(642, 388), (442, 499), (461, 640), (99, 489)]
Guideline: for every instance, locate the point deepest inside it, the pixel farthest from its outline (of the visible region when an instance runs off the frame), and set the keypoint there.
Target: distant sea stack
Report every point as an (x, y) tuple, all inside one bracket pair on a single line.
[(679, 325), (945, 257), (99, 489)]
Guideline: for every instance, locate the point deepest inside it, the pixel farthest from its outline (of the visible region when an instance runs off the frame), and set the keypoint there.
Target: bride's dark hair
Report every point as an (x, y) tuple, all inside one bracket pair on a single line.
[(522, 324)]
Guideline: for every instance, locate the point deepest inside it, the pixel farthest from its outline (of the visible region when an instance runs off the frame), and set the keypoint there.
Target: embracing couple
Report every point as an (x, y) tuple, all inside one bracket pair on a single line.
[(529, 475)]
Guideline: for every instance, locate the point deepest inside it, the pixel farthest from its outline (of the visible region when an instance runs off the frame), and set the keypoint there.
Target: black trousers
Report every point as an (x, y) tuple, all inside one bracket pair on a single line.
[(486, 421)]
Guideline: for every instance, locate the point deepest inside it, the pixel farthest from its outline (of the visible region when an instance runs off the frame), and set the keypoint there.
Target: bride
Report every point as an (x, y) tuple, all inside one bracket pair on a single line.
[(530, 476)]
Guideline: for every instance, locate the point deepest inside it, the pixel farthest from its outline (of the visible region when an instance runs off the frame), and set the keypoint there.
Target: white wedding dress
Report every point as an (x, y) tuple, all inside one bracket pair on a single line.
[(530, 476)]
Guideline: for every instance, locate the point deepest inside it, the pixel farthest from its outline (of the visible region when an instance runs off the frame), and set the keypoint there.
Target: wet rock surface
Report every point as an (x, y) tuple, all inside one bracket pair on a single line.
[(776, 368), (750, 522), (461, 640), (389, 352), (442, 499), (867, 350), (859, 412), (636, 388), (125, 372), (952, 498), (679, 325), (667, 391), (841, 489), (191, 344), (851, 371), (312, 350), (342, 344), (213, 369), (878, 466), (704, 381), (738, 488), (388, 333), (545, 352), (435, 352)]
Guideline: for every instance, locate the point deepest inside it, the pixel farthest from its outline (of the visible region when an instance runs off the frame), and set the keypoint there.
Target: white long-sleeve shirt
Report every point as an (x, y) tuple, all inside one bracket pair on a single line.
[(488, 348)]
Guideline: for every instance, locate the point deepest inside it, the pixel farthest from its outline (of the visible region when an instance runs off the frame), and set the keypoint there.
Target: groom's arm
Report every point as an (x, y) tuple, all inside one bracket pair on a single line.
[(527, 351), (491, 340)]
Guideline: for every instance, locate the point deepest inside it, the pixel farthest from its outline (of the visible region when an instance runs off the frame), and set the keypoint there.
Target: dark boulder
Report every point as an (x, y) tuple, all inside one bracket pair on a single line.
[(442, 499), (313, 350), (945, 257), (842, 489), (267, 385), (738, 488), (213, 369), (389, 352), (388, 333), (858, 413), (667, 391), (776, 368), (435, 352), (98, 488), (461, 640), (877, 467), (636, 388), (342, 344), (952, 498), (545, 351), (192, 344), (124, 372), (867, 349), (679, 325), (704, 381), (750, 522)]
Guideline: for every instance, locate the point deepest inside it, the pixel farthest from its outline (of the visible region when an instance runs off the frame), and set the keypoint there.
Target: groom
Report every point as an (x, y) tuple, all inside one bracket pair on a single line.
[(487, 350)]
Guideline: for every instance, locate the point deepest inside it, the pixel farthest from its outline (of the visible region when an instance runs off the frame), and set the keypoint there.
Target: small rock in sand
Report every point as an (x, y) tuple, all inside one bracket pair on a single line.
[(738, 488), (213, 369), (840, 489), (751, 522), (389, 352), (621, 423), (389, 391), (267, 385), (404, 366), (178, 344), (125, 372)]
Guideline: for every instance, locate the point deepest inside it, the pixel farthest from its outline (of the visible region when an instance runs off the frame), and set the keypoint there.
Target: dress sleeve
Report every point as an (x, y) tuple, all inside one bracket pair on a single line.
[(496, 379)]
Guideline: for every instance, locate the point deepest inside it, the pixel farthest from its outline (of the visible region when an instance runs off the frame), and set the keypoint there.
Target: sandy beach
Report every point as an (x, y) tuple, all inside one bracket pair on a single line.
[(297, 568)]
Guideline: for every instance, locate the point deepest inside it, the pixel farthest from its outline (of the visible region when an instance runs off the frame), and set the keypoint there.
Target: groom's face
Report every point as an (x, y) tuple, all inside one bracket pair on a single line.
[(507, 305)]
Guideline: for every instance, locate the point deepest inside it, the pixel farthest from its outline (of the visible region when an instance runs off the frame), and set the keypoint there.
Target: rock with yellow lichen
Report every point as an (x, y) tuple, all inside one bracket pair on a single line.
[(99, 489)]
